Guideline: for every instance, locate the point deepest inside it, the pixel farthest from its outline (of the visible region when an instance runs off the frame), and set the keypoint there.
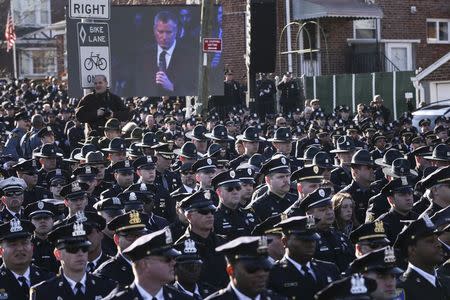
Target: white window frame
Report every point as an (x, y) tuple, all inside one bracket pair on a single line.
[(21, 21), (29, 71), (437, 21), (377, 31), (434, 89), (408, 46)]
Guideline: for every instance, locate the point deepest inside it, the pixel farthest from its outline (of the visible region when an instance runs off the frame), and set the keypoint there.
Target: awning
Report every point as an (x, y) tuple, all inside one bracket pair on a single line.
[(355, 9)]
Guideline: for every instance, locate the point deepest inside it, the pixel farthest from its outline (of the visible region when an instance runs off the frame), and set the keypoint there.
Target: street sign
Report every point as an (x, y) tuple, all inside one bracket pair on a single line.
[(89, 9), (212, 45), (93, 46)]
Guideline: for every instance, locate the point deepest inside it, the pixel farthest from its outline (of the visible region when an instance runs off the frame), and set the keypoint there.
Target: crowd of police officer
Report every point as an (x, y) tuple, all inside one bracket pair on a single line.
[(110, 198)]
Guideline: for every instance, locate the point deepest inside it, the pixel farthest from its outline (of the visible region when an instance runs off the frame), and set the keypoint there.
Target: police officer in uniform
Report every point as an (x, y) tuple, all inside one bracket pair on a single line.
[(127, 228), (298, 275), (73, 282), (265, 91), (12, 197), (290, 93), (251, 140), (277, 199), (282, 141), (123, 172), (369, 237), (248, 269), (419, 245), (41, 215), (230, 220), (342, 176), (17, 273), (48, 158), (164, 176), (153, 261), (12, 146), (437, 183), (354, 287)]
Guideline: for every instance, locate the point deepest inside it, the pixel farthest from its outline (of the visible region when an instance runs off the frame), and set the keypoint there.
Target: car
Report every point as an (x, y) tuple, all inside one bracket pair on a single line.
[(431, 111)]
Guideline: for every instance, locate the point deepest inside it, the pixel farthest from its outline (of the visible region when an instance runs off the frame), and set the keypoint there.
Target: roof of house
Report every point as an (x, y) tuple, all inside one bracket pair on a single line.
[(357, 9)]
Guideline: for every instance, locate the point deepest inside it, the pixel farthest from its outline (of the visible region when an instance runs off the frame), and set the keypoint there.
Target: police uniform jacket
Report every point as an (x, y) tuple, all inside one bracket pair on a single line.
[(156, 223), (43, 256), (233, 223), (103, 186), (117, 269), (335, 247), (59, 288), (393, 221), (103, 258), (169, 180), (203, 288), (10, 288), (269, 205), (378, 205), (131, 292), (214, 265), (340, 177), (239, 160), (108, 246), (418, 288), (361, 198), (12, 145), (6, 215), (228, 294), (287, 280)]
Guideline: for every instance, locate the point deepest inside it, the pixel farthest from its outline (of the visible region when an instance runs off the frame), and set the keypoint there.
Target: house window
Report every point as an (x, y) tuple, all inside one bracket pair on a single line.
[(437, 31), (365, 29), (38, 62), (32, 13)]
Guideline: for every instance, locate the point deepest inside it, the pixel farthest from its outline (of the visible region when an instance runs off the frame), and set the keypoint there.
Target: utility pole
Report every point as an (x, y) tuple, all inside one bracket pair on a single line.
[(207, 8)]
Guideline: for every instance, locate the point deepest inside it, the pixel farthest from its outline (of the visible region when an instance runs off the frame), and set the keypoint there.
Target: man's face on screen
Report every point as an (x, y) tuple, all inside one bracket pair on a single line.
[(165, 33)]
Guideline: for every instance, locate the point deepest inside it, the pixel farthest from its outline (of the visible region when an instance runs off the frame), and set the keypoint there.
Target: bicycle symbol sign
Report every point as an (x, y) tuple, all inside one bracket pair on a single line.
[(93, 48)]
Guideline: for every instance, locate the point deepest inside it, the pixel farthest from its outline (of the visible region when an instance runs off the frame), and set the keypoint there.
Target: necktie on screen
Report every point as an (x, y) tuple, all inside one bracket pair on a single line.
[(23, 284), (162, 61)]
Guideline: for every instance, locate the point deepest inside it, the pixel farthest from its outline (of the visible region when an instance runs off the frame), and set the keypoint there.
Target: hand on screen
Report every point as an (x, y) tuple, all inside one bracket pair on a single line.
[(164, 81)]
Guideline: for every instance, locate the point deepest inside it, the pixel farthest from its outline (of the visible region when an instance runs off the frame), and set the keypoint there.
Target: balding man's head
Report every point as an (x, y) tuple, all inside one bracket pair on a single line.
[(37, 121)]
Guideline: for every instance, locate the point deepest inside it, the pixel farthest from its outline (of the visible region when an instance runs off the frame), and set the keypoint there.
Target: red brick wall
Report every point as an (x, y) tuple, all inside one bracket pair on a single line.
[(440, 74)]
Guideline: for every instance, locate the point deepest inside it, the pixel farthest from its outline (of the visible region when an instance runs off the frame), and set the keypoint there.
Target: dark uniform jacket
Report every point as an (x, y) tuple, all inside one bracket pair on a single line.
[(336, 248), (361, 198), (203, 288), (287, 280), (10, 288), (108, 246), (169, 180), (417, 287), (269, 205), (103, 258), (35, 194), (43, 256), (239, 160), (214, 265), (229, 294), (233, 223), (393, 221), (6, 215), (131, 293), (117, 269), (340, 177), (59, 288)]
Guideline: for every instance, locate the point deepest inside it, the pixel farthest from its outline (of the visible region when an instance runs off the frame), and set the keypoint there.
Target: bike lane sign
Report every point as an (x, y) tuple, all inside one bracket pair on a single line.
[(93, 46)]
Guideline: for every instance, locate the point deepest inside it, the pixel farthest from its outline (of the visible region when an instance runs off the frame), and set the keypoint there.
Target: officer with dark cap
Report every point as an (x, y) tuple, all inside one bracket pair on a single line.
[(419, 245), (188, 268), (298, 274), (277, 199), (248, 269), (88, 175), (369, 237), (27, 170), (250, 140), (12, 189), (355, 287), (48, 157), (127, 228), (123, 172), (230, 220), (12, 145), (341, 176), (153, 259), (205, 169), (290, 92), (219, 135), (380, 265), (115, 152), (56, 180), (17, 273), (164, 176), (333, 245), (41, 214), (75, 198), (323, 160), (420, 162), (308, 180), (440, 156), (94, 225), (147, 142), (363, 175), (199, 211), (247, 177), (187, 179), (197, 136), (438, 183), (97, 160), (110, 130), (399, 193), (282, 141), (73, 281), (109, 208)]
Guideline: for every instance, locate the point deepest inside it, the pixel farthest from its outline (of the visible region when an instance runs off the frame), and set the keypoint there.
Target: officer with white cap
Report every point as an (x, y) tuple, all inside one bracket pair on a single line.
[(12, 189)]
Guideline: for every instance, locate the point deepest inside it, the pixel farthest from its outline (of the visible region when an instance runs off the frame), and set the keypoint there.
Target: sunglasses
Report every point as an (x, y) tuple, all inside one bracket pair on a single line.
[(188, 173), (229, 189), (165, 259), (375, 246), (205, 211), (252, 267), (125, 173), (74, 250), (12, 194)]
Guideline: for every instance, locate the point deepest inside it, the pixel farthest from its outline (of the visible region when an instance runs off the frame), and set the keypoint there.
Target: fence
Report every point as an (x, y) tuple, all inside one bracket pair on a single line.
[(351, 89)]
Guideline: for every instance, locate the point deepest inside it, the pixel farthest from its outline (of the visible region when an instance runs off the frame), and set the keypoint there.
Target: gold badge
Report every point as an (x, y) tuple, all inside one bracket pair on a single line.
[(134, 217), (379, 228)]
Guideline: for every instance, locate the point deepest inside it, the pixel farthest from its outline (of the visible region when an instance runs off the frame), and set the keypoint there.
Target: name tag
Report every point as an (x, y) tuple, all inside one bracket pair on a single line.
[(324, 248), (290, 284)]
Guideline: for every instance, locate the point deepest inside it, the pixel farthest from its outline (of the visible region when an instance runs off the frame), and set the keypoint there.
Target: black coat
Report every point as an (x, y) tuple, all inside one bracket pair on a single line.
[(418, 288), (393, 221), (43, 256), (233, 223), (117, 269), (361, 198), (131, 292), (108, 246), (286, 279), (59, 288), (228, 294), (269, 205), (335, 247), (11, 288)]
